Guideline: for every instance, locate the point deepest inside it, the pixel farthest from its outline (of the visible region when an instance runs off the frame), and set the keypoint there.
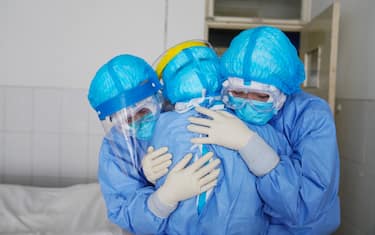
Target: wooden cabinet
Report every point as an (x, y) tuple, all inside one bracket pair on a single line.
[(242, 14), (315, 39)]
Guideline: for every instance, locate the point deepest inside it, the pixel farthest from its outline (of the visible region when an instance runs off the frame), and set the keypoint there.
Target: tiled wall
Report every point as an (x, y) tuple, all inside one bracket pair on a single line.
[(356, 136), (48, 136)]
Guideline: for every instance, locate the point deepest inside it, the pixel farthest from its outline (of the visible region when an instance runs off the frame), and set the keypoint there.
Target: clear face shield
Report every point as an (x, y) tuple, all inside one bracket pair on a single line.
[(128, 131), (136, 120), (128, 120)]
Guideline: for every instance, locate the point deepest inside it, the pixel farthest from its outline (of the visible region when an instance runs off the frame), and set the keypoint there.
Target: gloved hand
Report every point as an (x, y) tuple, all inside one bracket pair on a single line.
[(222, 129), (185, 182), (155, 163)]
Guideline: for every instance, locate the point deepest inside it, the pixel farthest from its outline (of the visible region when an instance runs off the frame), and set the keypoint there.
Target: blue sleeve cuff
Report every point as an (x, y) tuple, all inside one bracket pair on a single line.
[(158, 208), (260, 158)]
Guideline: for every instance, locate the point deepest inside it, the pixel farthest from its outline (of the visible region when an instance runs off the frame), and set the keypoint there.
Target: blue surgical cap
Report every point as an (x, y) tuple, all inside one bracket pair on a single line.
[(264, 54), (189, 72), (123, 81)]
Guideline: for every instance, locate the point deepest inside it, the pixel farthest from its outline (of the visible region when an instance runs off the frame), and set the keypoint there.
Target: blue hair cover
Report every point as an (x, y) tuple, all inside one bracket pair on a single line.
[(264, 54), (121, 75), (189, 72)]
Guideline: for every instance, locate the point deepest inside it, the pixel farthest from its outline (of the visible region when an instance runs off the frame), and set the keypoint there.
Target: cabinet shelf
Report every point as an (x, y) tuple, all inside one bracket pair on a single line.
[(245, 23)]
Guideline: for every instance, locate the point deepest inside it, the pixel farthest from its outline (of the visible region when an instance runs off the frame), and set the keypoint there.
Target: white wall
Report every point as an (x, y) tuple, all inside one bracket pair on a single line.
[(356, 50), (185, 20), (53, 43)]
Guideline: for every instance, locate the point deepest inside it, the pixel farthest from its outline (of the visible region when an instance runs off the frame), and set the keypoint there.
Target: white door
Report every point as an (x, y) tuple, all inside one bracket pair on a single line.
[(319, 43)]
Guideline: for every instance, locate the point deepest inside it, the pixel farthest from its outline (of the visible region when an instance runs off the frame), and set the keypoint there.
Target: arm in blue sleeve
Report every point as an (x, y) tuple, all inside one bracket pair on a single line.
[(303, 187), (126, 193)]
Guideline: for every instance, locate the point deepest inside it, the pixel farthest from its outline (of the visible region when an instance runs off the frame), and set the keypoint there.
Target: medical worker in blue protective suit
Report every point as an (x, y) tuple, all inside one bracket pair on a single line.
[(299, 185), (124, 92), (191, 77)]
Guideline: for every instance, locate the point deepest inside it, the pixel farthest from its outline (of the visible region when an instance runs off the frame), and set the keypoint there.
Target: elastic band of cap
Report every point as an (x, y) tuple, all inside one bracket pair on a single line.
[(172, 52)]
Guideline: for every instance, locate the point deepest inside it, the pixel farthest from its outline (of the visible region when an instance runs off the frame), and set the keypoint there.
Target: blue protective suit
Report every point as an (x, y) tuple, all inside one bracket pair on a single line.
[(299, 196), (125, 188), (233, 207)]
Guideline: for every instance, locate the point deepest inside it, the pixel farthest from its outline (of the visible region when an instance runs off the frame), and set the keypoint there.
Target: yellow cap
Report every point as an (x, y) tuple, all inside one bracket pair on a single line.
[(167, 56)]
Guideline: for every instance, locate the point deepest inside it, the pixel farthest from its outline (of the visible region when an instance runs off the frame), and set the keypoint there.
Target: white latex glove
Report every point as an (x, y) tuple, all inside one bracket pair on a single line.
[(185, 182), (222, 129), (155, 163)]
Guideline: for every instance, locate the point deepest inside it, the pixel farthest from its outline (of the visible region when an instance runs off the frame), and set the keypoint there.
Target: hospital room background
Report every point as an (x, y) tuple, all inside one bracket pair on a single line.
[(50, 51)]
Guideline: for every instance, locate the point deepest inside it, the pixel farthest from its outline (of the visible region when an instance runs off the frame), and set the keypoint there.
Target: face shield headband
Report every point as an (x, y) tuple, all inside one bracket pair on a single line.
[(128, 132), (163, 60), (129, 97)]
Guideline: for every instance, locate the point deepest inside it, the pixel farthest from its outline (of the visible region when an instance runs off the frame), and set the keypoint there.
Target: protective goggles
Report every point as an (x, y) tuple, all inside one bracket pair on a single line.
[(128, 119), (234, 90), (237, 99)]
